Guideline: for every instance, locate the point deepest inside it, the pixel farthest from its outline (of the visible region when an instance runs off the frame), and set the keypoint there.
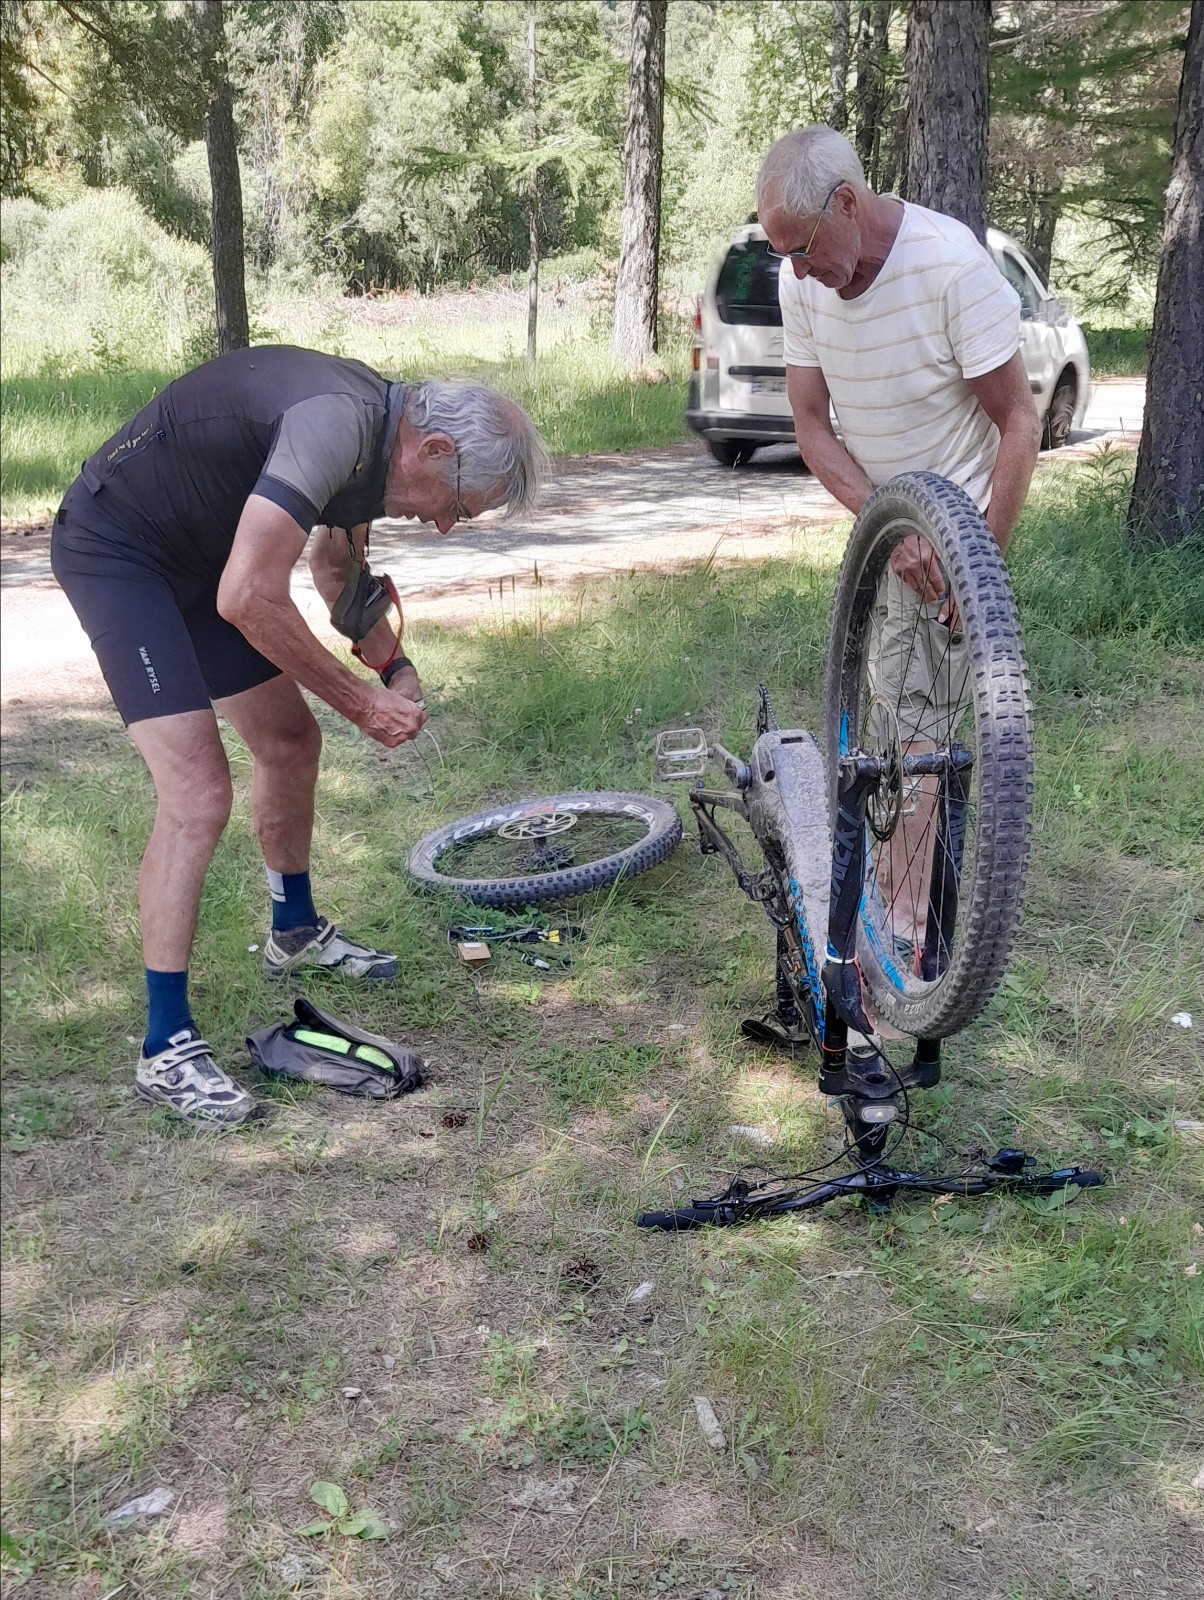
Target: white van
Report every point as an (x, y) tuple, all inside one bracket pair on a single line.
[(737, 392)]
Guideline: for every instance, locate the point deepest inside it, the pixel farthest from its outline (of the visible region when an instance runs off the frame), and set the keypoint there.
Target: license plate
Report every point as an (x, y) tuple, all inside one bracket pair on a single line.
[(768, 386)]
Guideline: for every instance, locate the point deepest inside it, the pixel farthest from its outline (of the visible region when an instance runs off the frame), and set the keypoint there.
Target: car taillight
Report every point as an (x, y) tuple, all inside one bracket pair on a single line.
[(694, 355)]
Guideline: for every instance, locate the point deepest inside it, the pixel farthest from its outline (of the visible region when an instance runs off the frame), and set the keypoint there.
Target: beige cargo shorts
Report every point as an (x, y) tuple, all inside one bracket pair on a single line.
[(918, 667)]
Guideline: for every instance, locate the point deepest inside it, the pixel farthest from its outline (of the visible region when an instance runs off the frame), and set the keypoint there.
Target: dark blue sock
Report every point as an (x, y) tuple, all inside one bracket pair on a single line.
[(166, 1008), (292, 901)]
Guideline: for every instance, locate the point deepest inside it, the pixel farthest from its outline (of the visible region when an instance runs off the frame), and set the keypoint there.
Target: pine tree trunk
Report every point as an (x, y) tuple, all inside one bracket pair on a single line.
[(948, 105), (532, 190), (838, 68), (221, 146), (636, 287), (1049, 208), (1168, 489), (872, 34)]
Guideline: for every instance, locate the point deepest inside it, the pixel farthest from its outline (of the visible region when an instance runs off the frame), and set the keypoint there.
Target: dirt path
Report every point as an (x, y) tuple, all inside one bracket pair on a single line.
[(607, 513)]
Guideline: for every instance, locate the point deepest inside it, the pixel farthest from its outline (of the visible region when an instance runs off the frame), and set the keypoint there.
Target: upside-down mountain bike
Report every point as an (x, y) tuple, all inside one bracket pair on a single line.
[(894, 857)]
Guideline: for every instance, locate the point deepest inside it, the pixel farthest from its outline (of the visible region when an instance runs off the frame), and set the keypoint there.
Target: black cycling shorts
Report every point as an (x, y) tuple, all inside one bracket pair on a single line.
[(156, 631)]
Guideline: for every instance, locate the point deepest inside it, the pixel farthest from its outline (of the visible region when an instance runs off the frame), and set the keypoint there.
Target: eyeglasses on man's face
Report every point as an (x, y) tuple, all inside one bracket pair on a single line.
[(805, 253), (462, 514)]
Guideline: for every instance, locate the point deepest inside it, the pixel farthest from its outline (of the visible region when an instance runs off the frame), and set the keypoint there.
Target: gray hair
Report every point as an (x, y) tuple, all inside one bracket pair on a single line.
[(496, 439), (803, 168)]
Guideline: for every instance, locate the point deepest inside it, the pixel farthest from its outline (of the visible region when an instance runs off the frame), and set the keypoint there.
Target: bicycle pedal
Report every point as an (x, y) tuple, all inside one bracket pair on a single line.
[(769, 1031), (681, 754)]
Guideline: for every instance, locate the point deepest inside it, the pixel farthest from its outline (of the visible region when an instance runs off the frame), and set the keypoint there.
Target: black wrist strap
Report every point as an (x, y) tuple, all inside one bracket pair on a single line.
[(390, 670)]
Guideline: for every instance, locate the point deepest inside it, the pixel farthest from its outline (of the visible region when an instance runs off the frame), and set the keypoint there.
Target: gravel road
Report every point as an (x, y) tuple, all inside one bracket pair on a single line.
[(599, 514)]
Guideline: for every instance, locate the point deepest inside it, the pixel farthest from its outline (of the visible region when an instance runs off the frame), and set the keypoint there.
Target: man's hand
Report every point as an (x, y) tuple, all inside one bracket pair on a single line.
[(915, 561), (389, 717)]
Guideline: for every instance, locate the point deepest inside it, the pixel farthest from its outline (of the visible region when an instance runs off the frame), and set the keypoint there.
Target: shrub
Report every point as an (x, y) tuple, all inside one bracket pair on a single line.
[(99, 283)]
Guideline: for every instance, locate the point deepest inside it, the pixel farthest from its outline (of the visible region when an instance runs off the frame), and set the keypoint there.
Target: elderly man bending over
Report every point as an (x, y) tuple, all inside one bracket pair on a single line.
[(175, 545), (897, 317)]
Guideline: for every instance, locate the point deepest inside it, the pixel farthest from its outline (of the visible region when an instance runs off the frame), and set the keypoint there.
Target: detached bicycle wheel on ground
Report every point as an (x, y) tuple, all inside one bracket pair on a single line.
[(534, 852)]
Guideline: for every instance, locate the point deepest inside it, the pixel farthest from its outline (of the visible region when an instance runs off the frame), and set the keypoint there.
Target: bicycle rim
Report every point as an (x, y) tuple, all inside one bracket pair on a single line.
[(946, 855), (532, 852)]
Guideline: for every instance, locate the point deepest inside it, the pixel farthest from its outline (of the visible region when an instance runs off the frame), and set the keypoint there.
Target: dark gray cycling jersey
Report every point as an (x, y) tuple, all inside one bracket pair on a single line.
[(308, 431)]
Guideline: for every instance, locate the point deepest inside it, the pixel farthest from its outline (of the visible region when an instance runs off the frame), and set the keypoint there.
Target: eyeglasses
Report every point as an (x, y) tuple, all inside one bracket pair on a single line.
[(805, 255), (462, 515)]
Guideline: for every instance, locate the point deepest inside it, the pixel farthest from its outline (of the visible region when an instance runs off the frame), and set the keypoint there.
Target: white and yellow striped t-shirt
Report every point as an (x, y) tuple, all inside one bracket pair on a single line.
[(896, 359)]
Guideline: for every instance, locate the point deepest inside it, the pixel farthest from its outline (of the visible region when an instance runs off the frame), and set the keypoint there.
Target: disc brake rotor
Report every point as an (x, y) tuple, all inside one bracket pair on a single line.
[(542, 825)]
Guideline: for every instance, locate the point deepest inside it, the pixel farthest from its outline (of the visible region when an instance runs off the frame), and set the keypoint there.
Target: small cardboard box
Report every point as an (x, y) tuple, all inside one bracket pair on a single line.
[(473, 952)]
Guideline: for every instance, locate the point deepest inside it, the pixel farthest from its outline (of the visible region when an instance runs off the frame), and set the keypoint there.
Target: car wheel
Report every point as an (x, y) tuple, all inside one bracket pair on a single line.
[(1060, 416), (729, 453)]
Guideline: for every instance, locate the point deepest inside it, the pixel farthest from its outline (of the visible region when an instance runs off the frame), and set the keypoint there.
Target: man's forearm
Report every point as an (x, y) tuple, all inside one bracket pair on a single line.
[(1019, 444), (834, 467), (277, 630)]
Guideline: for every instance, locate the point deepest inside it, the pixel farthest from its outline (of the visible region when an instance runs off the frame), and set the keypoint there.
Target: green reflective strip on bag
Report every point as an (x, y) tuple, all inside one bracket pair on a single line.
[(324, 1041), (344, 1047), (378, 1058)]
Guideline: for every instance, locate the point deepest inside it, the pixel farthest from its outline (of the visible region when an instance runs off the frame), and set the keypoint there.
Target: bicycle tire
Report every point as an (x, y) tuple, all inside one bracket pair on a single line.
[(990, 891), (661, 837)]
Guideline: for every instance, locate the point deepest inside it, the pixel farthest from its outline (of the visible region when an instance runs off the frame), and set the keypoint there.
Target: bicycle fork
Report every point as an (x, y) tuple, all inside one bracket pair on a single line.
[(857, 1073)]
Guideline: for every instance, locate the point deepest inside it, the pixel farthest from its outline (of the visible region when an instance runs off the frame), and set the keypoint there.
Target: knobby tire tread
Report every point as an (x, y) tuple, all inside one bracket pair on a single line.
[(987, 922), (545, 888)]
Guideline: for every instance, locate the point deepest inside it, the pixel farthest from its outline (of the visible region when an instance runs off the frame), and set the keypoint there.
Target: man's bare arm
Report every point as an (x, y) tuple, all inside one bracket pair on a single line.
[(820, 448), (1005, 396), (254, 595)]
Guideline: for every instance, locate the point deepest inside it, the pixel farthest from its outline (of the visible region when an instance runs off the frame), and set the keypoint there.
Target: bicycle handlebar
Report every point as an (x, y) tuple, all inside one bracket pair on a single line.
[(726, 1211)]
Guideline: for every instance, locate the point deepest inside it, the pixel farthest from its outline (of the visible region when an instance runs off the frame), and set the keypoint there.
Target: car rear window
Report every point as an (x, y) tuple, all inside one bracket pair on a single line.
[(748, 286)]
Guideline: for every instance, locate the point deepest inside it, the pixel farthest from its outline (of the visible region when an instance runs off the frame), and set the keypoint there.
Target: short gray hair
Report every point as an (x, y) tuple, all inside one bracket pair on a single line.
[(497, 441), (803, 168)]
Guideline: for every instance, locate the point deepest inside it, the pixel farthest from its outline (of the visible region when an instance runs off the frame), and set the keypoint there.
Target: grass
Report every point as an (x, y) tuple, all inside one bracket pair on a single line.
[(56, 410), (1117, 352), (427, 1302)]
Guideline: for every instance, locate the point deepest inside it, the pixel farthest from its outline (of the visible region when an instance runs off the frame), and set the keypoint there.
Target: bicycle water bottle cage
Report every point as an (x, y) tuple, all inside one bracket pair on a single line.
[(364, 601), (681, 754)]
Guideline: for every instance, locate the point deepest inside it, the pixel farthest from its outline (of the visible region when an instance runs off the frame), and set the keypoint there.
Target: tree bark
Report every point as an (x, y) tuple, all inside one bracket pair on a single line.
[(1168, 488), (532, 190), (1040, 241), (948, 106), (636, 287), (838, 68), (221, 147), (872, 33)]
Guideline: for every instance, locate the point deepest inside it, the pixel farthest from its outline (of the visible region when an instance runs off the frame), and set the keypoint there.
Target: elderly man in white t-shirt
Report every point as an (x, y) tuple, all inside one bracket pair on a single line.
[(897, 318)]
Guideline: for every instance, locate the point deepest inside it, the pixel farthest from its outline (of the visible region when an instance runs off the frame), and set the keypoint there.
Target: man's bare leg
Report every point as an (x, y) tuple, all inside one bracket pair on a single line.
[(285, 742), (910, 852), (192, 787)]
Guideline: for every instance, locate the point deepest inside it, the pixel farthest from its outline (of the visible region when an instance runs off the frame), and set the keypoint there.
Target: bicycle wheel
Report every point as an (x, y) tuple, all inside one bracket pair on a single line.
[(529, 852), (947, 852)]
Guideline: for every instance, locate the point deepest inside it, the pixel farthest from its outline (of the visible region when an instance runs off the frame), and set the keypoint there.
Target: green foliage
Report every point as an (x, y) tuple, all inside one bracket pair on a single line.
[(125, 291), (1082, 116), (387, 143), (1117, 352), (1080, 579), (351, 1524)]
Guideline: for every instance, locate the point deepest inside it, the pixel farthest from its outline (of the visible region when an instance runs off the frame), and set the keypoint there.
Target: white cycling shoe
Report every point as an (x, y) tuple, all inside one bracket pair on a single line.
[(186, 1079), (325, 946)]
